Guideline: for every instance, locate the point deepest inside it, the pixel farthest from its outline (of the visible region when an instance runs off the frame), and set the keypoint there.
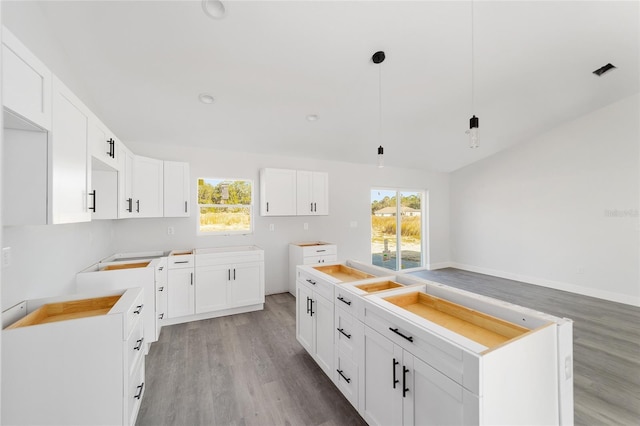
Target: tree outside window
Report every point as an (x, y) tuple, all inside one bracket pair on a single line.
[(225, 205)]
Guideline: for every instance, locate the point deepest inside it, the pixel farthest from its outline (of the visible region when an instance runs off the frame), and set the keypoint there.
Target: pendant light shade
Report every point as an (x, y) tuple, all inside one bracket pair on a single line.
[(380, 156), (473, 132)]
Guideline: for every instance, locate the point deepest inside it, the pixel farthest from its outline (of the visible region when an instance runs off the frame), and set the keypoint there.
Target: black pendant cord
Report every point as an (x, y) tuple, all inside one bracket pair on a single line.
[(473, 74)]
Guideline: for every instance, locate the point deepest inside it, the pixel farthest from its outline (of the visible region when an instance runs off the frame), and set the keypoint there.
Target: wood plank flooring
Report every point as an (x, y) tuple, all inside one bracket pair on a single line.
[(249, 369)]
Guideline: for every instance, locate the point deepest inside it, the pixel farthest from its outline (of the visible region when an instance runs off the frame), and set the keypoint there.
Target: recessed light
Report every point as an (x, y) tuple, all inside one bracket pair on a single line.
[(312, 117), (206, 98), (214, 9), (600, 71)]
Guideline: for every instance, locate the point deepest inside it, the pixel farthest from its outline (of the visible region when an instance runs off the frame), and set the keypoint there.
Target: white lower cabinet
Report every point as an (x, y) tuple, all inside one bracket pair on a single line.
[(181, 294), (314, 330), (399, 388), (85, 368), (212, 288), (161, 278)]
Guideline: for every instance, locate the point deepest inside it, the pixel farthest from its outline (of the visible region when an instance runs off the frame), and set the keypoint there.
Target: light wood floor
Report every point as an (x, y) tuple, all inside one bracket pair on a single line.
[(249, 369)]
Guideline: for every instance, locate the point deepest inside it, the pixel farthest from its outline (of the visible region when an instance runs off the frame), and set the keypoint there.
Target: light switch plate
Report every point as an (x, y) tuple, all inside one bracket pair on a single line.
[(6, 256)]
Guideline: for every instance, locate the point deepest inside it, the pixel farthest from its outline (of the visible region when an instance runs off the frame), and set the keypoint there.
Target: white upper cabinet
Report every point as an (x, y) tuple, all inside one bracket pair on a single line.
[(147, 187), (277, 192), (70, 174), (125, 183), (177, 182), (312, 193), (103, 145), (26, 83)]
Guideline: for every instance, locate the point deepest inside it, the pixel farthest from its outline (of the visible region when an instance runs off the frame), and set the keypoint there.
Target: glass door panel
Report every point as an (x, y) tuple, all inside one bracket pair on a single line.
[(410, 229), (383, 228)]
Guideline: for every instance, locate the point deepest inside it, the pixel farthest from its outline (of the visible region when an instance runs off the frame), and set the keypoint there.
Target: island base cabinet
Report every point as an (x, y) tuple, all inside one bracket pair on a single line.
[(399, 388), (314, 315)]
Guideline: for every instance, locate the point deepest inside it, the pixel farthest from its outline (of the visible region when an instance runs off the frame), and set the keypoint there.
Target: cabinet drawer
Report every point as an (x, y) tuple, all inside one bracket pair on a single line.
[(135, 391), (327, 258), (181, 261), (349, 334), (440, 353), (318, 285), (346, 377), (134, 315), (348, 301), (320, 250), (134, 348)]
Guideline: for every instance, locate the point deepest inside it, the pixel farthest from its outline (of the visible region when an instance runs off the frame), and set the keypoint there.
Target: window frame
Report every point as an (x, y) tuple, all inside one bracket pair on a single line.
[(250, 206)]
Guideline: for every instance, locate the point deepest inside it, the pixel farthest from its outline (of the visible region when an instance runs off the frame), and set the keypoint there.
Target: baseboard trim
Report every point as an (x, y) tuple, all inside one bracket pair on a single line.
[(215, 314), (557, 285), (439, 265)]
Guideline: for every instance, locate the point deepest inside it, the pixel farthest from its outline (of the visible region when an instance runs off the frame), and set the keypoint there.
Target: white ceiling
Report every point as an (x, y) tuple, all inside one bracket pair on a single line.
[(271, 63)]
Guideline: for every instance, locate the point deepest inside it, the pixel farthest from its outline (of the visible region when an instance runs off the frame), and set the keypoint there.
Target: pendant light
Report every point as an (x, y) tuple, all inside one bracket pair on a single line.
[(378, 58), (473, 121)]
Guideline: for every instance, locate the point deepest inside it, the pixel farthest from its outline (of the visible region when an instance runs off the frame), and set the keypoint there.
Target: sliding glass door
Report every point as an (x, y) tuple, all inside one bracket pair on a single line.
[(397, 228)]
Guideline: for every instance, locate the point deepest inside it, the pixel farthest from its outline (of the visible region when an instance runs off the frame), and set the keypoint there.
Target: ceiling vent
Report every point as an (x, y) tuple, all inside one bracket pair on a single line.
[(600, 71)]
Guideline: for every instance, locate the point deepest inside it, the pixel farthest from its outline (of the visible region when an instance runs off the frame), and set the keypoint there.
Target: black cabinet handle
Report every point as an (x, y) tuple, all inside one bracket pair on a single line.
[(395, 330), (315, 207), (320, 251), (308, 310), (341, 330), (395, 381), (161, 268), (161, 316), (139, 394), (160, 288), (185, 206), (139, 344), (311, 281), (267, 207), (343, 300), (405, 389), (234, 274), (137, 206), (311, 307), (348, 380), (181, 261), (93, 195), (311, 207), (228, 274), (138, 309), (130, 202), (191, 278), (112, 148)]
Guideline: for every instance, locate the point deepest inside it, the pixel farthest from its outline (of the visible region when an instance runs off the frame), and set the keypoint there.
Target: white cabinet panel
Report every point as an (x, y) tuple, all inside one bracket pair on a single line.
[(211, 288), (181, 296), (177, 184), (306, 253), (103, 199), (69, 157), (305, 330), (277, 192), (148, 187), (246, 286), (26, 82), (312, 193), (125, 184), (103, 145)]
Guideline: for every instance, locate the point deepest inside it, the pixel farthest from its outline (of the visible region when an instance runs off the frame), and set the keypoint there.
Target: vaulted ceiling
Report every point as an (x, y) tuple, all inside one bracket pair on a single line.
[(269, 64)]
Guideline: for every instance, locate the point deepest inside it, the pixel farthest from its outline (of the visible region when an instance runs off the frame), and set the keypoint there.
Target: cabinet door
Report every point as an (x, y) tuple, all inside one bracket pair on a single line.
[(277, 192), (320, 193), (148, 187), (322, 311), (69, 157), (176, 189), (304, 320), (180, 298), (102, 144), (246, 285), (125, 183), (212, 288), (380, 391), (434, 399), (26, 82), (304, 193), (103, 199)]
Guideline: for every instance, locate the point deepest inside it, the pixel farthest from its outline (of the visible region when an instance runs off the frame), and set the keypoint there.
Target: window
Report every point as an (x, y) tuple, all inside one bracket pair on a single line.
[(225, 205), (397, 223)]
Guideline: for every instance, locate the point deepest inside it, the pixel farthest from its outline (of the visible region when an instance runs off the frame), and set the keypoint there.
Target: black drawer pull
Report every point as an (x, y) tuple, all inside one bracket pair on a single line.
[(341, 330), (161, 316), (160, 288), (320, 251), (139, 344), (343, 300), (311, 307), (130, 208), (348, 380), (138, 309), (139, 394), (395, 381), (405, 389), (181, 261), (395, 330), (311, 281), (161, 268)]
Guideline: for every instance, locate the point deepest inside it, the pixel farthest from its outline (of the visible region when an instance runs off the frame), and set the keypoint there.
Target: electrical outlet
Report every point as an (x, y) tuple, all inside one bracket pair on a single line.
[(272, 227), (305, 226), (170, 230), (353, 224), (6, 256)]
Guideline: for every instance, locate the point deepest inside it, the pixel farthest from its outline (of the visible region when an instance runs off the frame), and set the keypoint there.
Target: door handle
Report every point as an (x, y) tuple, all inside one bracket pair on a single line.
[(395, 381), (308, 310), (139, 344), (93, 195), (343, 300), (395, 330), (191, 278), (341, 330), (343, 376), (234, 274), (228, 274), (185, 206), (130, 202), (267, 207), (311, 307), (137, 206), (405, 389)]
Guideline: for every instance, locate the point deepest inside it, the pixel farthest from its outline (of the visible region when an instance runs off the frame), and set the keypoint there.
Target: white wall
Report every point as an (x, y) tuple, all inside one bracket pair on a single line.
[(541, 211), (46, 258), (349, 200)]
